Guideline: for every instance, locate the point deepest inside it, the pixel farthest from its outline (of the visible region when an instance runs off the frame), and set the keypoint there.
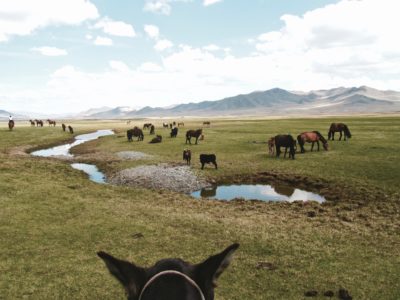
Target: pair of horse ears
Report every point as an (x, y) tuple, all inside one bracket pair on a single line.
[(133, 277)]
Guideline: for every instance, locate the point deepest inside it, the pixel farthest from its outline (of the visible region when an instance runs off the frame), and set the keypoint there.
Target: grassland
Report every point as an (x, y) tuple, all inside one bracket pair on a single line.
[(53, 219)]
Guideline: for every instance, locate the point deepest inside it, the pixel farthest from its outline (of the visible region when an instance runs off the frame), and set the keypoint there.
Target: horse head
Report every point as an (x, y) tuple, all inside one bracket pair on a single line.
[(172, 279), (326, 146)]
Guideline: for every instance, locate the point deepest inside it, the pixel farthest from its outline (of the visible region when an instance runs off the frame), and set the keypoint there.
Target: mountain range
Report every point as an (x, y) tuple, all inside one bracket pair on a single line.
[(275, 102)]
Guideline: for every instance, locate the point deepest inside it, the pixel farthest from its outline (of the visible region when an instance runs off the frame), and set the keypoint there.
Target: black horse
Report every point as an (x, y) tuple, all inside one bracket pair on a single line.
[(287, 141), (170, 279), (174, 132), (338, 127), (71, 130), (157, 139), (152, 129), (193, 133), (11, 124), (136, 131)]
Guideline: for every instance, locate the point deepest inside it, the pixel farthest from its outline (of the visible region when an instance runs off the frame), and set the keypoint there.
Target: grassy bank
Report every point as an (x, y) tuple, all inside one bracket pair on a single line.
[(53, 220)]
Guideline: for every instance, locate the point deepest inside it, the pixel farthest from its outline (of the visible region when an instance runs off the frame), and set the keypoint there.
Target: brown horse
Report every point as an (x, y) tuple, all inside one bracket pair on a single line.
[(338, 127), (71, 130), (32, 122), (311, 137), (11, 124), (146, 126), (51, 122), (271, 146), (152, 129), (39, 123), (207, 123), (136, 131), (181, 124), (193, 133), (63, 126)]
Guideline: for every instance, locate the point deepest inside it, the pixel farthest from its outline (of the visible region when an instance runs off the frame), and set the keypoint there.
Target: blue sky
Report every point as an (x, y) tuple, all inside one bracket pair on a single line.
[(59, 56)]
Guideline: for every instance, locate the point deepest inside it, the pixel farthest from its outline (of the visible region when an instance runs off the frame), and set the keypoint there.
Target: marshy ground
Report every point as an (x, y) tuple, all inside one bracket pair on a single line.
[(53, 219)]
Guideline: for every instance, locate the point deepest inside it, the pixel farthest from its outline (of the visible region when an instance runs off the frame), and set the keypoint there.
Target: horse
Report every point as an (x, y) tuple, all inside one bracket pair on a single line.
[(187, 155), (156, 140), (311, 137), (32, 122), (206, 123), (136, 131), (146, 126), (181, 124), (271, 146), (71, 130), (193, 133), (11, 125), (338, 127), (165, 125), (208, 159), (63, 126), (51, 122), (287, 141), (170, 279), (174, 132), (39, 122), (152, 129)]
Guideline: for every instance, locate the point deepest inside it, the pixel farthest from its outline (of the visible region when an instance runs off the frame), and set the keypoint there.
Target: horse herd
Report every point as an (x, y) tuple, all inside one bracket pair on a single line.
[(288, 142)]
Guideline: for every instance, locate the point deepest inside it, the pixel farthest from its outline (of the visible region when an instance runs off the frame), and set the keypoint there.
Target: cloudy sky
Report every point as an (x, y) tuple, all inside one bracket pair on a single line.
[(59, 56)]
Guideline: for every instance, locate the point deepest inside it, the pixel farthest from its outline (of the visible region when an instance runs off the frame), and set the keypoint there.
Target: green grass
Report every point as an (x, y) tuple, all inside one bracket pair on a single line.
[(53, 219)]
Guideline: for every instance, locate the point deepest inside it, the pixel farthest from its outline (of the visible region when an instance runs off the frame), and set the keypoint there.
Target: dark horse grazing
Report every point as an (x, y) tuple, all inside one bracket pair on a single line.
[(174, 132), (152, 129), (11, 124), (338, 127), (170, 279), (63, 126), (135, 132), (287, 141), (71, 130), (51, 122), (32, 122), (193, 133), (311, 137), (208, 159)]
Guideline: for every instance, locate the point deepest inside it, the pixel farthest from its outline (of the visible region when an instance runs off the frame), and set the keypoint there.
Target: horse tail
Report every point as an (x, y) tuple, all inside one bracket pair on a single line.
[(347, 131)]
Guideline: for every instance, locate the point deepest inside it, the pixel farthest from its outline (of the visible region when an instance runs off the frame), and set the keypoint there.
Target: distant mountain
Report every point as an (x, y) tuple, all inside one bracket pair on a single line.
[(276, 102), (5, 114), (89, 112)]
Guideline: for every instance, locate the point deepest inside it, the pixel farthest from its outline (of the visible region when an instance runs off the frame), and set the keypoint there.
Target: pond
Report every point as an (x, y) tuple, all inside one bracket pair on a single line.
[(63, 150), (258, 192)]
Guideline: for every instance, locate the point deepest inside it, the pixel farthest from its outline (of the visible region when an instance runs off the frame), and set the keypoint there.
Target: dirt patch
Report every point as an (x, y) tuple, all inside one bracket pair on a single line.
[(133, 155), (163, 176), (19, 151)]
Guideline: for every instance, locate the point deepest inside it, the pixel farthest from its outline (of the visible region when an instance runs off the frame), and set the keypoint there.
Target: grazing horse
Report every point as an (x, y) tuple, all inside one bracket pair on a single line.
[(165, 125), (181, 124), (11, 125), (174, 132), (32, 122), (287, 141), (136, 131), (271, 146), (193, 133), (152, 129), (146, 126), (170, 279), (311, 137), (156, 140), (207, 123), (70, 129), (39, 122), (187, 155), (208, 159), (51, 122), (338, 127), (63, 126)]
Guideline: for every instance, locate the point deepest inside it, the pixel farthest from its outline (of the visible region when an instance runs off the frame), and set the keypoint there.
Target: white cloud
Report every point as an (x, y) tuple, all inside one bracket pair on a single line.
[(163, 44), (149, 67), (152, 31), (161, 6), (103, 41), (211, 47), (50, 51), (117, 28), (21, 17), (210, 2), (88, 36), (119, 66)]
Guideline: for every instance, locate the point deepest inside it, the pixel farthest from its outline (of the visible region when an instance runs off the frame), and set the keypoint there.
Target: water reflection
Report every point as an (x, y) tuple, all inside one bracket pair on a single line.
[(94, 173)]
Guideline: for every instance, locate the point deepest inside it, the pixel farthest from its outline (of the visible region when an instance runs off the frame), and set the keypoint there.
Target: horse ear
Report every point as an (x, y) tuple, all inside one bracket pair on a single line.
[(213, 266), (130, 276)]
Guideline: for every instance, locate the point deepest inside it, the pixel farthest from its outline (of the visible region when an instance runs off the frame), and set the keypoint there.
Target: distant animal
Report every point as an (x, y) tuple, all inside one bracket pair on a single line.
[(170, 125), (181, 124), (152, 129), (11, 125), (206, 123), (155, 140), (338, 127), (135, 132), (170, 279), (208, 159), (193, 133), (51, 122), (174, 132), (146, 126), (311, 137), (128, 122), (287, 141), (165, 125), (63, 126), (173, 123), (271, 146), (39, 123), (32, 122), (187, 155), (71, 130)]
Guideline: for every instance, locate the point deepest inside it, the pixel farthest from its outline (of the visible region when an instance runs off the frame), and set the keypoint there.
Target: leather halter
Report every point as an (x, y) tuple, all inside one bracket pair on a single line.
[(168, 272)]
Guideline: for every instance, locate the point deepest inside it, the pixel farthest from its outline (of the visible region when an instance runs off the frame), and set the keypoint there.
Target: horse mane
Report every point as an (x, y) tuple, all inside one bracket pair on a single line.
[(321, 137)]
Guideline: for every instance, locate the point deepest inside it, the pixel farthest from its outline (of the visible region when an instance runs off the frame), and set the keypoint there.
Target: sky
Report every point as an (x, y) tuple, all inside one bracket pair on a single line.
[(66, 56)]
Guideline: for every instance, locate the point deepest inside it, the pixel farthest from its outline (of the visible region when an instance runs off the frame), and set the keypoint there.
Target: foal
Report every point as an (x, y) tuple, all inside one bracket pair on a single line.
[(170, 279)]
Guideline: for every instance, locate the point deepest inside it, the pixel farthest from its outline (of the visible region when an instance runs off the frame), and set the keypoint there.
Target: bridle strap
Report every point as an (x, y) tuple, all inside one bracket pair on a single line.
[(169, 272)]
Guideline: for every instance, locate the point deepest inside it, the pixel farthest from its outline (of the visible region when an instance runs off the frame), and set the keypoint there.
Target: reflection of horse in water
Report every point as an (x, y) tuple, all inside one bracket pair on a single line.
[(284, 189), (11, 124), (338, 127), (208, 192), (311, 137)]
